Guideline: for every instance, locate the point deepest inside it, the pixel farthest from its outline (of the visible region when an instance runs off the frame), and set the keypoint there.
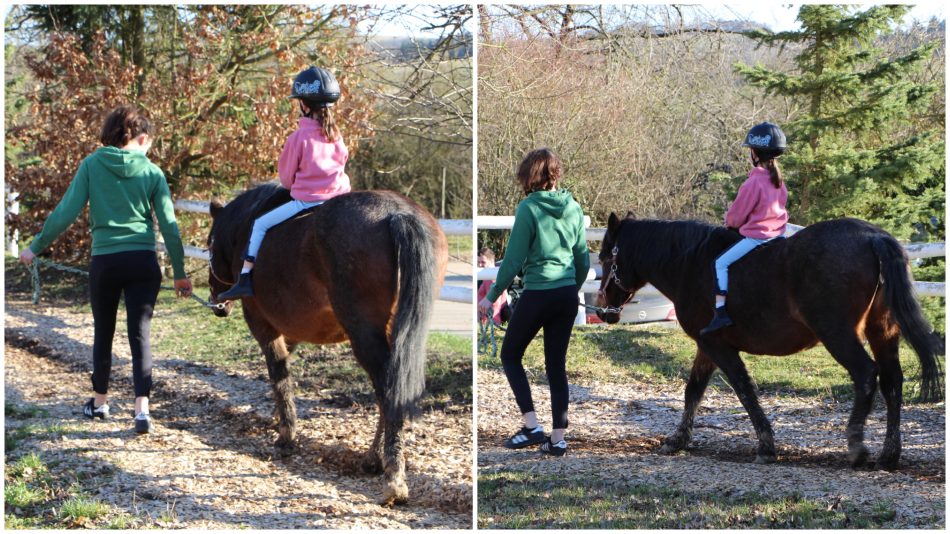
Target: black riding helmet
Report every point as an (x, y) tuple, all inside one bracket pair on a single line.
[(767, 139), (316, 85)]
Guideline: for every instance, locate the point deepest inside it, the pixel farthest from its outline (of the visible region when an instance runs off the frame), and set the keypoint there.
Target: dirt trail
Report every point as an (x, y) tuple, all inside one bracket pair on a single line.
[(209, 462), (615, 431)]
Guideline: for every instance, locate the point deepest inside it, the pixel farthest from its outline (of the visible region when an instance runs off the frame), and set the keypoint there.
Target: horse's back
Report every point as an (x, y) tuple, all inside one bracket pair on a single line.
[(343, 251), (823, 276)]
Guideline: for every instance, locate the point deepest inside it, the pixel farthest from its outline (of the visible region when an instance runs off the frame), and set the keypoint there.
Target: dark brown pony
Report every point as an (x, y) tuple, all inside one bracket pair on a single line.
[(835, 282), (365, 266)]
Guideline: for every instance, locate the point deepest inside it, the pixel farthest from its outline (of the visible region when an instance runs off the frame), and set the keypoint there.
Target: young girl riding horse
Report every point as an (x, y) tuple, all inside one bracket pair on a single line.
[(758, 211), (311, 165)]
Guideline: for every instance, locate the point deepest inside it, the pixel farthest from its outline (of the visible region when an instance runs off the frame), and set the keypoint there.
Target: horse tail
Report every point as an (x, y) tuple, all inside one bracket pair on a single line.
[(899, 296), (404, 378)]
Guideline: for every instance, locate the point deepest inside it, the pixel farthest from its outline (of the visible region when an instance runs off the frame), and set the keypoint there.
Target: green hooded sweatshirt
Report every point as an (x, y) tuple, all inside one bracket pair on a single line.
[(548, 244), (122, 188)]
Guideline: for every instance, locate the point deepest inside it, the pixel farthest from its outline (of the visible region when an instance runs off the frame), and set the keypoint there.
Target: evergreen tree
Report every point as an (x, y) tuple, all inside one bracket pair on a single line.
[(855, 146)]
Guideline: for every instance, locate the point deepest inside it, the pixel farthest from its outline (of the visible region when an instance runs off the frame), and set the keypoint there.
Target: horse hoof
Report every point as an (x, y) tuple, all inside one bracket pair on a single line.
[(285, 447), (887, 462), (395, 493), (858, 455), (372, 465), (673, 444), (763, 459)]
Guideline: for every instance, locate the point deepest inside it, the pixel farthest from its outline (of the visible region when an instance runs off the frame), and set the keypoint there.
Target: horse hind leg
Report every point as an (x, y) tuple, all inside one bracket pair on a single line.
[(373, 459), (372, 350), (844, 346), (703, 369), (884, 338)]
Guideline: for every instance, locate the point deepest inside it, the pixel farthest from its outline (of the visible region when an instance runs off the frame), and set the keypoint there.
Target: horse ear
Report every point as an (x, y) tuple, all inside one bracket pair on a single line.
[(630, 215), (612, 223), (215, 207)]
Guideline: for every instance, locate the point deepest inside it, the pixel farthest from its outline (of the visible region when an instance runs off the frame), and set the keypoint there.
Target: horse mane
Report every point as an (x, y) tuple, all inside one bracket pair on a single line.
[(659, 245), (238, 215)]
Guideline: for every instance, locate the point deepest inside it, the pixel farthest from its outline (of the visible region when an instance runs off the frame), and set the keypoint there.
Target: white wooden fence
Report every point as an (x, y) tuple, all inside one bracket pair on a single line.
[(914, 251), (450, 293)]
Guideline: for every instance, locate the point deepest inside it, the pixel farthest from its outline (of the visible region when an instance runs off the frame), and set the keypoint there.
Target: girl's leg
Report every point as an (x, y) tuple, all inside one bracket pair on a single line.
[(104, 293), (141, 292), (728, 257), (557, 335), (524, 325), (270, 219)]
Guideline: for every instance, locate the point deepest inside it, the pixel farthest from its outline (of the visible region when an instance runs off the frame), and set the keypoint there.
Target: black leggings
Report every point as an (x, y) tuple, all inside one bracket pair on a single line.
[(554, 310), (136, 273)]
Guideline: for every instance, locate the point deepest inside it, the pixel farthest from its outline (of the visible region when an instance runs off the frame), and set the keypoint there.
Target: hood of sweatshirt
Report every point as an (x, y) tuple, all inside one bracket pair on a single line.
[(122, 163), (554, 203)]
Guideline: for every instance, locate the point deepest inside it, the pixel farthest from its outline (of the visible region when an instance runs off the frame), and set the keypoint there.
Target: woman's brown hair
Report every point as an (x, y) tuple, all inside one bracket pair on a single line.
[(324, 116), (772, 166), (124, 124), (540, 171)]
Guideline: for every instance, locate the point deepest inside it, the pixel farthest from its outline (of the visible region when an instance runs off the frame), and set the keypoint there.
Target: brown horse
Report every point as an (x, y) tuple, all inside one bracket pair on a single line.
[(365, 266), (834, 282)]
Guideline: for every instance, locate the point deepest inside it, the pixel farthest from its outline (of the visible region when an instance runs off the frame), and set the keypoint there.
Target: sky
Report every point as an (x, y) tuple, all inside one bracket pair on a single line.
[(778, 16), (781, 16)]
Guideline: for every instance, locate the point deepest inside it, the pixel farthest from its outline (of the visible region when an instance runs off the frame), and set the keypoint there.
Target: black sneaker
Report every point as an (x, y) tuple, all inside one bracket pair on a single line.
[(720, 320), (89, 410), (554, 449), (143, 423), (525, 438)]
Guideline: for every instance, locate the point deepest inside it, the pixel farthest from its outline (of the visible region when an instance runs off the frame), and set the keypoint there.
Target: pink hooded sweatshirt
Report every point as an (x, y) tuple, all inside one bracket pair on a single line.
[(759, 209), (312, 167)]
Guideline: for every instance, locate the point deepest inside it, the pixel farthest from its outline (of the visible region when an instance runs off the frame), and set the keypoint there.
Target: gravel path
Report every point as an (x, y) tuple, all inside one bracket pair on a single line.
[(616, 429), (209, 462)]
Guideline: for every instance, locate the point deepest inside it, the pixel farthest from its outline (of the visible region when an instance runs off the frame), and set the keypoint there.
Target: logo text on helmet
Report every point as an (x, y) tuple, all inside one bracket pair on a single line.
[(759, 140), (307, 88)]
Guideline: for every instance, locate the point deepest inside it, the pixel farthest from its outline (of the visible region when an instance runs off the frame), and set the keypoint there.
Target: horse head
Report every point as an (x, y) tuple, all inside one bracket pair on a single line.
[(616, 289), (219, 268)]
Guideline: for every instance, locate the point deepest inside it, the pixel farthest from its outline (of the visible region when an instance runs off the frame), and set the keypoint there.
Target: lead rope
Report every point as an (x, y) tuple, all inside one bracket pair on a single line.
[(35, 278)]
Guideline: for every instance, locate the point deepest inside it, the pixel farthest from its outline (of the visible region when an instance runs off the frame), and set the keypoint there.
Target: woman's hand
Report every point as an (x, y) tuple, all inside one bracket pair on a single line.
[(26, 257), (484, 307), (183, 287)]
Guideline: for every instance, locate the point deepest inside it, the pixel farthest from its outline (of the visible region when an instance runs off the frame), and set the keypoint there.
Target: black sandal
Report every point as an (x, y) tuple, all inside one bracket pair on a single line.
[(554, 449), (525, 437), (90, 410)]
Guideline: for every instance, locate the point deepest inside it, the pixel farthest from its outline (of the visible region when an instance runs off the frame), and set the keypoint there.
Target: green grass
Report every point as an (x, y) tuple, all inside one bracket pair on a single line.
[(461, 248), (651, 353), (80, 507), (526, 500), (21, 495), (23, 411)]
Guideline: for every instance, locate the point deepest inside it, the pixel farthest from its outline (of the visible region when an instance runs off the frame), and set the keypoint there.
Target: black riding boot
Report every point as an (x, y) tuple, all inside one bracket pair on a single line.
[(720, 320), (239, 290)]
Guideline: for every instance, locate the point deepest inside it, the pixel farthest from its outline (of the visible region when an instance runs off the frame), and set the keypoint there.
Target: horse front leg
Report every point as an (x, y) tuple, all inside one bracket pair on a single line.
[(278, 366), (703, 368), (727, 359)]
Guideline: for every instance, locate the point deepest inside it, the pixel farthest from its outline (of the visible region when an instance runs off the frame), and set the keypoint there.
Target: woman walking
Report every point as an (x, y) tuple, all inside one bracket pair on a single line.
[(122, 188), (548, 246)]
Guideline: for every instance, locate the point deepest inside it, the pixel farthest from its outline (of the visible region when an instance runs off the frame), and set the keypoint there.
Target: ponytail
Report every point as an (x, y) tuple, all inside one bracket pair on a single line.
[(321, 113), (774, 172), (768, 161)]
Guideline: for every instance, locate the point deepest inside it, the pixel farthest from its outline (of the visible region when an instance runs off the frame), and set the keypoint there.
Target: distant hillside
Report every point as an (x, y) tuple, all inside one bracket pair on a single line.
[(408, 49)]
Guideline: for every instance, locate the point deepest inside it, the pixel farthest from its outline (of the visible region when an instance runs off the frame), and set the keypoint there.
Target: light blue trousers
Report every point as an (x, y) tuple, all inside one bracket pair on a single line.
[(732, 254), (272, 218)]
